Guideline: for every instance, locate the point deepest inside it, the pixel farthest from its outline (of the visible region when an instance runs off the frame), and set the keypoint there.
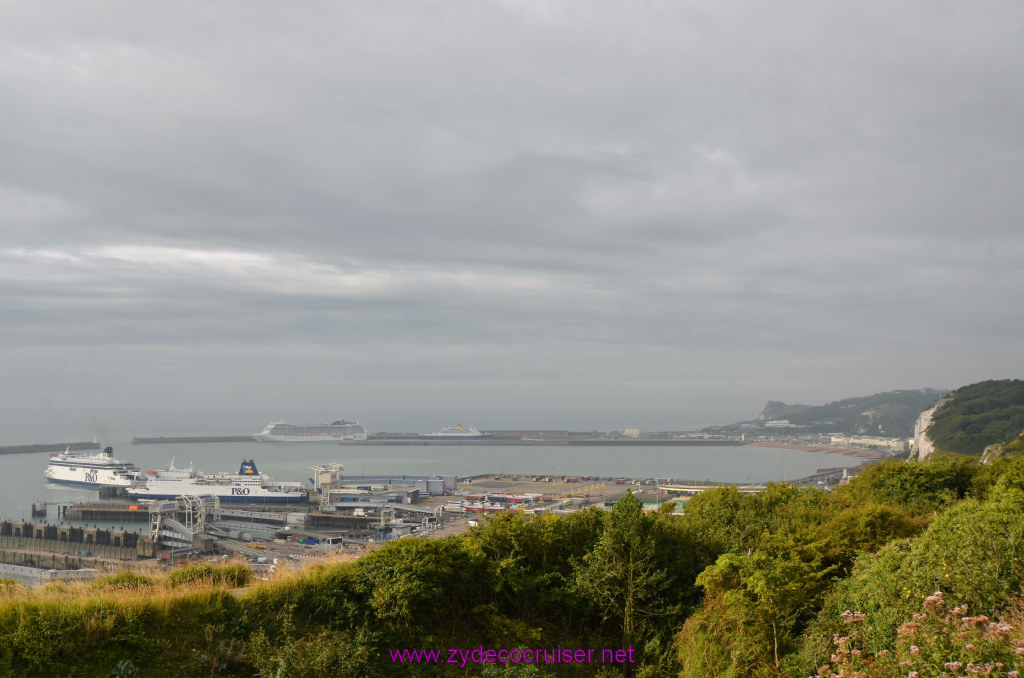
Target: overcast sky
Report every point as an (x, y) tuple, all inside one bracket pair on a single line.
[(553, 213)]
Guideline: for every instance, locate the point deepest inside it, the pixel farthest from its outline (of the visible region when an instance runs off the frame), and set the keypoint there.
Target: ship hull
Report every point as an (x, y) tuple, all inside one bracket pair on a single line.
[(241, 499), (334, 432), (76, 483)]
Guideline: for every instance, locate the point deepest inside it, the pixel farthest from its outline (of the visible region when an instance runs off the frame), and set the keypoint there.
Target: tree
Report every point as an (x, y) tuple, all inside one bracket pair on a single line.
[(621, 575), (753, 607)]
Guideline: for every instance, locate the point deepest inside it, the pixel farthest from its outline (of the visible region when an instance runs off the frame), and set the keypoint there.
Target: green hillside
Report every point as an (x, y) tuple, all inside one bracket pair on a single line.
[(979, 415), (891, 414)]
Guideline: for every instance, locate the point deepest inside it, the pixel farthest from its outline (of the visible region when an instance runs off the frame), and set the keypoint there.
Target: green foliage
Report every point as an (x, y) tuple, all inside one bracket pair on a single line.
[(754, 608), (424, 590), (1015, 447), (77, 638), (123, 581), (532, 561), (864, 528), (920, 487), (322, 654), (10, 587), (621, 576), (230, 574), (979, 415), (974, 552), (125, 668)]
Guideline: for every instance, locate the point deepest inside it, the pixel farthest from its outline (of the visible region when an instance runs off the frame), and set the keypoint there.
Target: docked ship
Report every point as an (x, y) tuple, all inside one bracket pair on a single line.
[(246, 486), (457, 433), (336, 431), (90, 470)]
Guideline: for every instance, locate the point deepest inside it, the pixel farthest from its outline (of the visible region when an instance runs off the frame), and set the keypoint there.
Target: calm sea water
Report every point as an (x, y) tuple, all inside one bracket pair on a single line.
[(22, 483)]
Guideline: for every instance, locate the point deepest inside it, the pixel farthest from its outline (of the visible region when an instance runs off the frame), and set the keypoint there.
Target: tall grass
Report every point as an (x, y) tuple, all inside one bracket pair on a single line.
[(187, 622)]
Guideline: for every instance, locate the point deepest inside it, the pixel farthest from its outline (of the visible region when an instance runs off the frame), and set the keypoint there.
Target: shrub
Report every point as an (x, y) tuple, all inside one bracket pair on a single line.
[(123, 580), (229, 575)]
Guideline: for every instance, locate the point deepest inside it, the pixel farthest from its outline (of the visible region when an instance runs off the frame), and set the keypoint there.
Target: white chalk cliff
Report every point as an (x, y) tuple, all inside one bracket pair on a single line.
[(923, 446)]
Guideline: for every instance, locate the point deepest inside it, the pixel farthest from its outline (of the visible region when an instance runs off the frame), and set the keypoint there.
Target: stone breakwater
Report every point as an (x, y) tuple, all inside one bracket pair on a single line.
[(48, 447)]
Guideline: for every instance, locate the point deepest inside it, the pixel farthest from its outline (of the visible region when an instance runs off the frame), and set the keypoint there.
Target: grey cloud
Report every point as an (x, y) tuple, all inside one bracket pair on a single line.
[(565, 198)]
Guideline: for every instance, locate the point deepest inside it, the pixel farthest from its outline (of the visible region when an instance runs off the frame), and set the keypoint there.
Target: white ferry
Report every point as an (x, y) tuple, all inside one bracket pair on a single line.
[(336, 431), (246, 486), (90, 470), (459, 432)]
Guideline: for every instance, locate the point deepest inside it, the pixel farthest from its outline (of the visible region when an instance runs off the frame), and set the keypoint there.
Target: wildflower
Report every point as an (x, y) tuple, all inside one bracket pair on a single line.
[(953, 666), (1000, 630), (908, 628), (853, 617), (914, 650), (934, 601)]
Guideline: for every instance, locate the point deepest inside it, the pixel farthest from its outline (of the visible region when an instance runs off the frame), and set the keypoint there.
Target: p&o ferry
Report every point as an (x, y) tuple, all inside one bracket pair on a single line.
[(246, 486), (90, 470)]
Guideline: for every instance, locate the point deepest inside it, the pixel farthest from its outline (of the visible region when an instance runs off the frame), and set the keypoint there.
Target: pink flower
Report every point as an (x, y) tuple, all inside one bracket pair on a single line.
[(908, 628), (853, 617), (934, 601)]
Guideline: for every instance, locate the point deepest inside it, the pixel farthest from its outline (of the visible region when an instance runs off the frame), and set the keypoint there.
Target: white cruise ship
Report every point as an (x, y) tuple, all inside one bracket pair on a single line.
[(246, 486), (459, 432), (90, 470), (336, 431)]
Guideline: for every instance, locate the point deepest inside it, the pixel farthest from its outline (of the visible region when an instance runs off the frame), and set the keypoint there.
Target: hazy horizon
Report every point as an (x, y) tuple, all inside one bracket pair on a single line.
[(502, 213), (117, 426)]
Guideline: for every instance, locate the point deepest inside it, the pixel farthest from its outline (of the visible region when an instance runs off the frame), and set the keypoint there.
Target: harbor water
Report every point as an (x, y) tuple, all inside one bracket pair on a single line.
[(22, 482)]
